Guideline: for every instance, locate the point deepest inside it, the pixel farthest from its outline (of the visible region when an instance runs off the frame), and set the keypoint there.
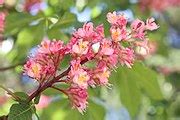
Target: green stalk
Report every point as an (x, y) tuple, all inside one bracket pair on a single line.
[(10, 93)]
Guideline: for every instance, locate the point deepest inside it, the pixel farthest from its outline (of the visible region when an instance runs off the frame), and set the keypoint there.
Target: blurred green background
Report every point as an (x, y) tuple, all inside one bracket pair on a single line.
[(148, 91)]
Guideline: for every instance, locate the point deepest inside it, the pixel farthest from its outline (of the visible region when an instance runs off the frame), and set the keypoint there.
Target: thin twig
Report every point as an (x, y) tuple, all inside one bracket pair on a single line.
[(10, 67), (63, 91), (47, 84), (61, 81), (10, 93)]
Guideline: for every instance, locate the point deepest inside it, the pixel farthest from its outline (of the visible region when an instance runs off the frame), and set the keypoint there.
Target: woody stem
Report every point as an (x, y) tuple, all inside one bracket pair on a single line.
[(50, 83)]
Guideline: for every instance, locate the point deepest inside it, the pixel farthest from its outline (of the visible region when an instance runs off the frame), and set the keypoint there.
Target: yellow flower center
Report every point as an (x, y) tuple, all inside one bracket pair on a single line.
[(35, 69), (82, 78), (115, 35), (105, 74), (83, 45)]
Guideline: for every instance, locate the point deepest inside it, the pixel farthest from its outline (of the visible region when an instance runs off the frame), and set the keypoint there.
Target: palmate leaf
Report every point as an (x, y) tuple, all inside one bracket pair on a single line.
[(133, 82), (20, 112)]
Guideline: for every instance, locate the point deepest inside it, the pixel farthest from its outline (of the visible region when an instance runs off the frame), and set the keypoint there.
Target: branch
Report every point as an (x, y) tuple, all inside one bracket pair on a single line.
[(10, 67), (47, 84), (50, 83)]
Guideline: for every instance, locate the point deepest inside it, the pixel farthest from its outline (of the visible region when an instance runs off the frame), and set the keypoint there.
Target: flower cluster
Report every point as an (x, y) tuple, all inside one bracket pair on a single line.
[(89, 44), (44, 64)]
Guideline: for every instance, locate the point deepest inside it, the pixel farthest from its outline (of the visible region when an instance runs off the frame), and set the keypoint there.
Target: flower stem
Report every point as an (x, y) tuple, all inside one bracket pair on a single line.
[(50, 83), (10, 67), (61, 90)]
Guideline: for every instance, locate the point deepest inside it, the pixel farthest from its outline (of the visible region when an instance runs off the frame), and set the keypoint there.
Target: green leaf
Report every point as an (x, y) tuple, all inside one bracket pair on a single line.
[(132, 82), (20, 112), (129, 92), (147, 80), (66, 20), (17, 21), (23, 96)]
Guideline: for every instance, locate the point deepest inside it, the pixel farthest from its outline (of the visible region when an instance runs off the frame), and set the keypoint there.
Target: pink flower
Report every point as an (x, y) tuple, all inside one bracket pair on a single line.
[(115, 19), (101, 75), (89, 33), (81, 47), (78, 98), (75, 66), (33, 69), (107, 53), (106, 47), (122, 21), (81, 79), (118, 34), (137, 24), (86, 32), (100, 30), (84, 39), (112, 17), (49, 47), (138, 29), (40, 67), (78, 75), (151, 25), (126, 57)]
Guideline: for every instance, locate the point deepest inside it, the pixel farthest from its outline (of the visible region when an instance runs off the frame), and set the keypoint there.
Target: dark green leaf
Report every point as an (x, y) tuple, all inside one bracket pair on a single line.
[(20, 112), (23, 96)]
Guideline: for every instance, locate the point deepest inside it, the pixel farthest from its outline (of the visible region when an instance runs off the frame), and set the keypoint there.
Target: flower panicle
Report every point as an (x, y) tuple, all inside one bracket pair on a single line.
[(90, 44)]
